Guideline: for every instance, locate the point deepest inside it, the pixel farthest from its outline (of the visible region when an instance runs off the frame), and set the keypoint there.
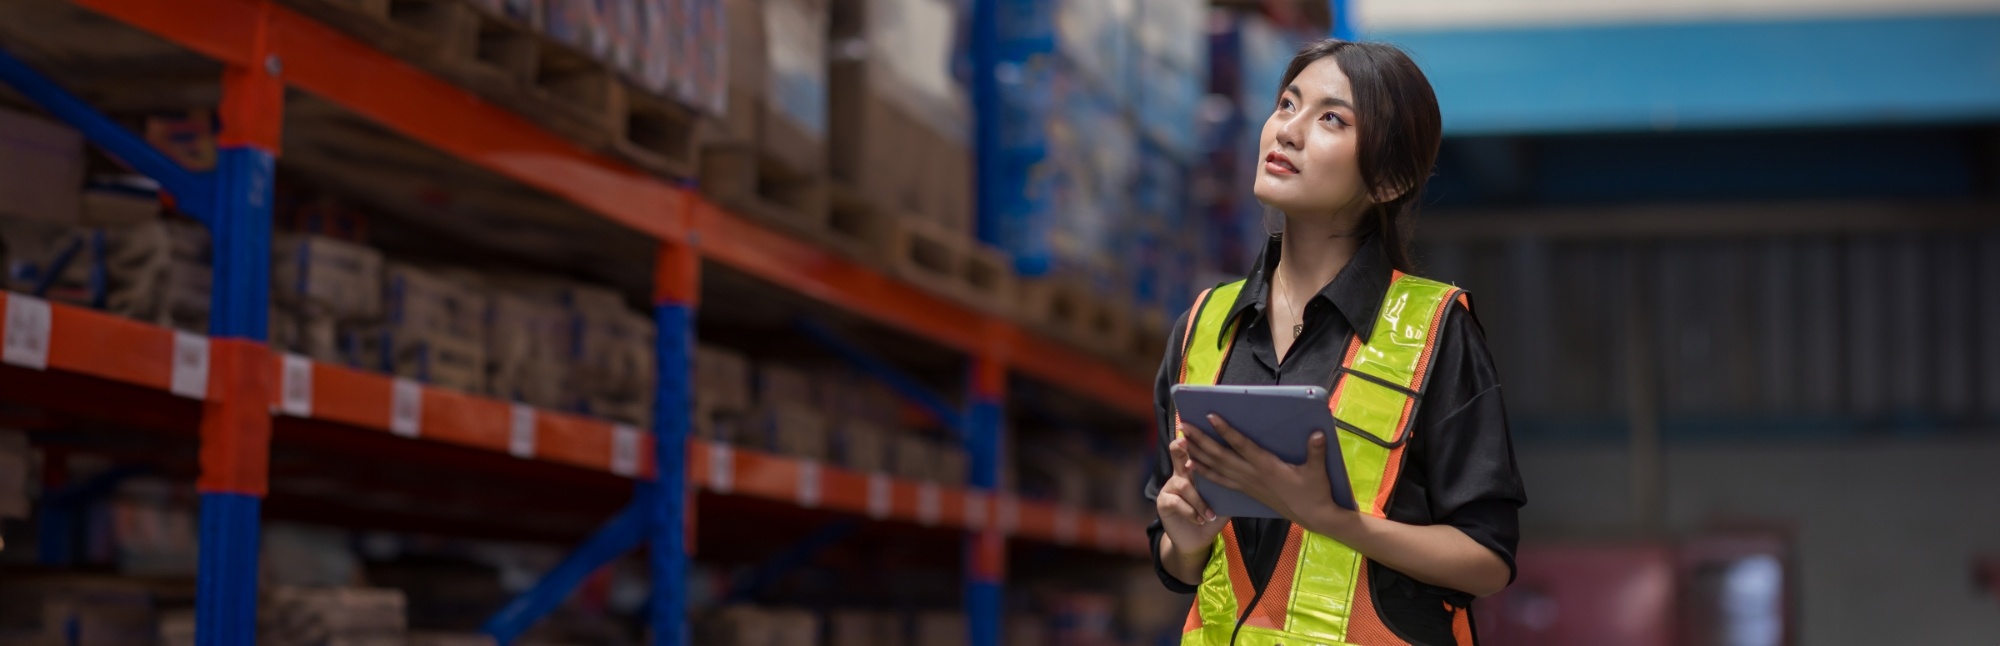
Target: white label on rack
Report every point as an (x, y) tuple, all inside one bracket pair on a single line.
[(878, 495), (27, 336), (1010, 514), (1065, 525), (521, 432), (975, 511), (624, 450), (928, 504), (296, 398), (190, 366), (406, 407), (721, 467), (809, 484)]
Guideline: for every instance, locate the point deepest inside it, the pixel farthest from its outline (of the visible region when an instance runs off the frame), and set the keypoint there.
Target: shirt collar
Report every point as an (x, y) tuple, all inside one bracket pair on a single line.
[(1356, 292)]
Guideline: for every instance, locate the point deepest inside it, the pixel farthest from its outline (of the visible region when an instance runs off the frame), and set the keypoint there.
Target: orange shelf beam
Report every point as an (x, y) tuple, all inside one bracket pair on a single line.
[(729, 470), (326, 62), (87, 342)]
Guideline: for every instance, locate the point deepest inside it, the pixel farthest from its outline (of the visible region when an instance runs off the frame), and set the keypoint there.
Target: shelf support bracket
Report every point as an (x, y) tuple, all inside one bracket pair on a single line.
[(189, 188)]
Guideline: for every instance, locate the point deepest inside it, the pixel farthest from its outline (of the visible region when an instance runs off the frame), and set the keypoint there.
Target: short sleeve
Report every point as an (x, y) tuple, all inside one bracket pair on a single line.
[(1463, 451)]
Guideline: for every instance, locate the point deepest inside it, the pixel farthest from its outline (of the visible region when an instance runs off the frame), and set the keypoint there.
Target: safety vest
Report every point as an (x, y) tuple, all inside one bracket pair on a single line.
[(1319, 591)]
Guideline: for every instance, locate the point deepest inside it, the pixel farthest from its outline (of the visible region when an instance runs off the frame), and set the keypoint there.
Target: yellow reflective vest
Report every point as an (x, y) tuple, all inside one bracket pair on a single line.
[(1319, 592)]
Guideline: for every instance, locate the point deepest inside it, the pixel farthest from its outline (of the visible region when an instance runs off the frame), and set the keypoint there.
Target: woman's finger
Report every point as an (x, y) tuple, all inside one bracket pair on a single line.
[(1192, 497), (1237, 441), (1177, 451), (1180, 508), (1217, 477), (1218, 456)]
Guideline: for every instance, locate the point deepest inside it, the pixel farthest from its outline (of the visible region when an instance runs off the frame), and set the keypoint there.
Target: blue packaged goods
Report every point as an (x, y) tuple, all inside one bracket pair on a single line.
[(795, 33), (1096, 36)]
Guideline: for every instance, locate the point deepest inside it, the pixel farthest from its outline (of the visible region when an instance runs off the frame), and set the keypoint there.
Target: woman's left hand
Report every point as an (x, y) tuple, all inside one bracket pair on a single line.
[(1296, 491)]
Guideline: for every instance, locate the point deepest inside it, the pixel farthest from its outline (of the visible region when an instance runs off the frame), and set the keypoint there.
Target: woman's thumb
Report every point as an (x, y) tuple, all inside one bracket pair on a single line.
[(1316, 449)]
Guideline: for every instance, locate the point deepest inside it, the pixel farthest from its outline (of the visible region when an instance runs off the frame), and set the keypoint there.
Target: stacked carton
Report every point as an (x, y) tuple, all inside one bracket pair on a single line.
[(789, 420), (722, 393), (292, 616), (327, 297), (745, 625), (526, 352), (864, 628), (434, 326), (898, 118)]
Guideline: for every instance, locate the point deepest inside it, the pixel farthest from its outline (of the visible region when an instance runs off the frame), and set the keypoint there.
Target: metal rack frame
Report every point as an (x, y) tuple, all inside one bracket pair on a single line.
[(266, 48)]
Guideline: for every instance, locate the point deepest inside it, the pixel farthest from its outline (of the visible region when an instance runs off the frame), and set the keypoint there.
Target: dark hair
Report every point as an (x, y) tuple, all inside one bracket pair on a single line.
[(1400, 131)]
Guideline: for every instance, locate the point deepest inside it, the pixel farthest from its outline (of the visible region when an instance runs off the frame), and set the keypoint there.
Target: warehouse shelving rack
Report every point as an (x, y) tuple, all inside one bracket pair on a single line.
[(241, 384)]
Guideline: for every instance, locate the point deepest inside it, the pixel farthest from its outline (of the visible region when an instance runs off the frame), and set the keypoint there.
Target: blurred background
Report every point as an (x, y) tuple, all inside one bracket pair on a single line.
[(755, 322)]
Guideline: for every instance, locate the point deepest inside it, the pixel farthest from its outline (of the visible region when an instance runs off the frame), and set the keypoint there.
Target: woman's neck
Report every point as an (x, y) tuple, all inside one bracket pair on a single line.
[(1312, 253)]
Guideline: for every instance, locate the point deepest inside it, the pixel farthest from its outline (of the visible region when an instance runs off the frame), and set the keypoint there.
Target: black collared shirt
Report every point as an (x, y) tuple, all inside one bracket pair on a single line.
[(1460, 462)]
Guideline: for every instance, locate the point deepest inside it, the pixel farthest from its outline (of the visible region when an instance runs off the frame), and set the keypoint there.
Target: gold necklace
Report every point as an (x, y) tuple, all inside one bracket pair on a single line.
[(1299, 327)]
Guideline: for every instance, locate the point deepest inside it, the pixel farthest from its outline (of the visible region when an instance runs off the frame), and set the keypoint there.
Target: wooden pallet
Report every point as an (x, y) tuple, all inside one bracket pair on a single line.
[(1148, 342), (951, 264), (1069, 309), (524, 70), (743, 178)]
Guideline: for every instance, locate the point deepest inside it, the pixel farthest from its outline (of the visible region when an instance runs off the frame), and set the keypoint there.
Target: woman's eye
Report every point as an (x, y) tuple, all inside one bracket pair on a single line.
[(1285, 104), (1333, 117)]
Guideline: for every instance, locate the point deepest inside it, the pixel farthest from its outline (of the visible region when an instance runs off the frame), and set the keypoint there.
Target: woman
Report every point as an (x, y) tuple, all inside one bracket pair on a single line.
[(1344, 156)]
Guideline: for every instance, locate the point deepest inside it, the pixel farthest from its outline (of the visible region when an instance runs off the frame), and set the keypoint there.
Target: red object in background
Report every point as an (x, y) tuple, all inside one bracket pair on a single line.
[(1585, 595)]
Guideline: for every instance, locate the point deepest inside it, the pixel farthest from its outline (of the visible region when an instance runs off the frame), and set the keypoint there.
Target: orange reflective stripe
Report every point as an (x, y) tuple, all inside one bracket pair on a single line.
[(1239, 574), (1365, 626), (1273, 608)]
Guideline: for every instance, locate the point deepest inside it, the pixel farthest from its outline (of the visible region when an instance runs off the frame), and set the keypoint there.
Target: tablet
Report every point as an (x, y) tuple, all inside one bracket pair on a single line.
[(1281, 419)]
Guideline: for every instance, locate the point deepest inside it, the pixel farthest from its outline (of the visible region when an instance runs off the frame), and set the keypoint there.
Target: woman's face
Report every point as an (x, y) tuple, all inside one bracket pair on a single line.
[(1307, 163)]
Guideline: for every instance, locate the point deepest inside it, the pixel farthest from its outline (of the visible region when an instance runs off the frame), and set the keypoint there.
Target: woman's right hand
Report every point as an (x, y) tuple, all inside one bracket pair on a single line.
[(1188, 521)]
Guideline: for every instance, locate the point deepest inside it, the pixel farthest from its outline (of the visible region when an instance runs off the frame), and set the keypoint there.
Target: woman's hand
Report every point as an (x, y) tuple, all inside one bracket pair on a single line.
[(1190, 525), (1299, 492)]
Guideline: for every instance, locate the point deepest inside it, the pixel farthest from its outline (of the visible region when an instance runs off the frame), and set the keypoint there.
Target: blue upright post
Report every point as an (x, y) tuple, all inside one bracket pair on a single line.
[(236, 418), (1343, 20), (986, 549), (678, 286), (234, 201)]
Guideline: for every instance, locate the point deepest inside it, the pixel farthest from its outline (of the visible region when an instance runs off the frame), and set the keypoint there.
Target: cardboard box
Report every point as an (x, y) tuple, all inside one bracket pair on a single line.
[(448, 639), (728, 427), (793, 626), (781, 384), (797, 430), (339, 279), (15, 459), (794, 125), (736, 626), (1030, 630), (301, 616), (177, 628), (439, 359), (635, 411), (111, 208), (613, 354), (939, 628), (426, 301), (862, 446), (722, 379), (41, 168), (526, 350), (951, 466), (864, 628), (748, 76), (910, 456)]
